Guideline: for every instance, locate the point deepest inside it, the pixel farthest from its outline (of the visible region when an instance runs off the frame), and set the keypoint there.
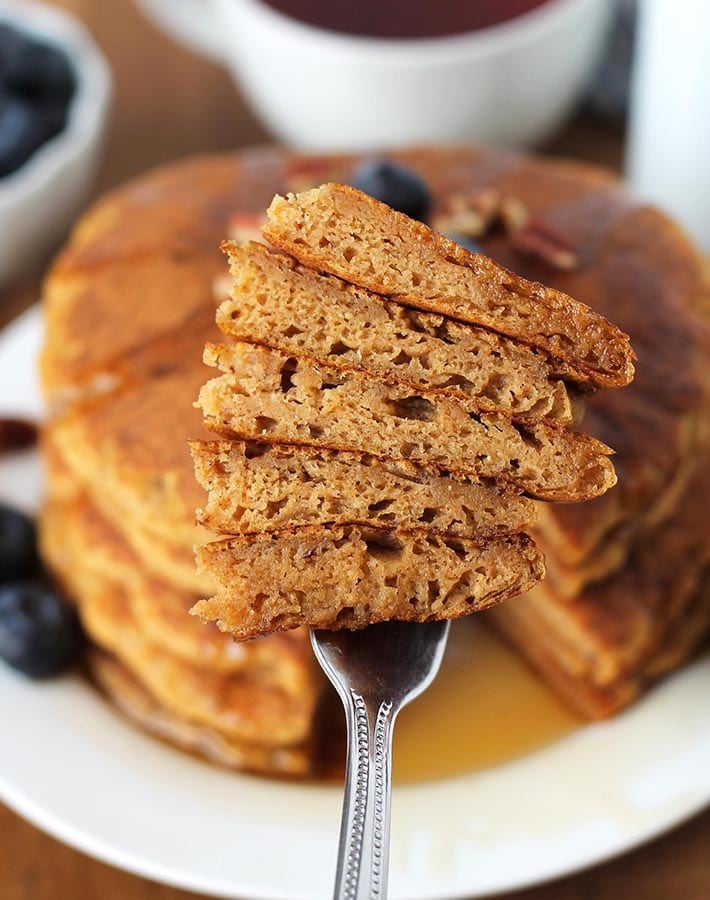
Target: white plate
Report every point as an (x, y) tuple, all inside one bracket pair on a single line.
[(75, 769)]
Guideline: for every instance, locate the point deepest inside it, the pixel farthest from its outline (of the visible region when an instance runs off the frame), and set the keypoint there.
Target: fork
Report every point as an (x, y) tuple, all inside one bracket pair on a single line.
[(376, 672)]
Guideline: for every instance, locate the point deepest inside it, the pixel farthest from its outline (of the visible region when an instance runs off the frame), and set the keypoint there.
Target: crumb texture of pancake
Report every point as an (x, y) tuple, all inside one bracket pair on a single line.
[(266, 395), (130, 304), (348, 363), (273, 581), (340, 230), (255, 487), (279, 303)]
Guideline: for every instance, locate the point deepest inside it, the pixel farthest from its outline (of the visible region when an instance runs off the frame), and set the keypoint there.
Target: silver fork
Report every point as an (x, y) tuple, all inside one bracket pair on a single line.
[(376, 671)]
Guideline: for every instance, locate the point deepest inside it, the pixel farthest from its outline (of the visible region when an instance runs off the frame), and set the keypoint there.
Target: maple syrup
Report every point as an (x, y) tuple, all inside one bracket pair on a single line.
[(484, 708)]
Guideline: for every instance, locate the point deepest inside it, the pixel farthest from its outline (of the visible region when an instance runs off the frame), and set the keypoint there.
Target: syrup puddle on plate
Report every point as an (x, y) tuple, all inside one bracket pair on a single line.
[(485, 708)]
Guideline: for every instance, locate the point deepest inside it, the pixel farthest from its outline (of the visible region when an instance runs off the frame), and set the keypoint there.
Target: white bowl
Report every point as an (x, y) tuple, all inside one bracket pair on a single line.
[(39, 201), (513, 83)]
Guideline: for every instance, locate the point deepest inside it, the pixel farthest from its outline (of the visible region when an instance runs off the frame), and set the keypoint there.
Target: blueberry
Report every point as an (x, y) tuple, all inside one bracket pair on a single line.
[(394, 185), (22, 130), (40, 634), (13, 44), (18, 545), (53, 116), (40, 73), (466, 242)]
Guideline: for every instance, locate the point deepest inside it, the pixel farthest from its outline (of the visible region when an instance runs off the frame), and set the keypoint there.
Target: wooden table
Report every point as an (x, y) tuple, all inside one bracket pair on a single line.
[(168, 104)]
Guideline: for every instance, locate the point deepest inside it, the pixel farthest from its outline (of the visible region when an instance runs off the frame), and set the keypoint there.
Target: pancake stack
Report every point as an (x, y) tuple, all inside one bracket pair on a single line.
[(129, 307), (423, 354), (118, 527), (626, 598)]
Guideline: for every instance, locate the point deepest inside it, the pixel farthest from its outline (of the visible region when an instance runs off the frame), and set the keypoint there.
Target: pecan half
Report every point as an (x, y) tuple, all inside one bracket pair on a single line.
[(540, 239), (470, 215), (536, 237), (514, 214)]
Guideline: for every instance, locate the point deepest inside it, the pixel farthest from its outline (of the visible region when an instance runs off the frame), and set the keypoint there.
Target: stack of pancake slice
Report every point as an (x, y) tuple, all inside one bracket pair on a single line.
[(390, 402)]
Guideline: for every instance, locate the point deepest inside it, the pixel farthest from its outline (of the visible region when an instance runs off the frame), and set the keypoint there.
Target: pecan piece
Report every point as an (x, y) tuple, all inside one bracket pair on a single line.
[(538, 238), (535, 237), (470, 215), (514, 214)]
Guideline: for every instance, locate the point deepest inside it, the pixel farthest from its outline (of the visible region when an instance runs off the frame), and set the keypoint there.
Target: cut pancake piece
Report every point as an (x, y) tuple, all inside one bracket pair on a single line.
[(351, 576), (279, 303), (264, 487), (268, 396), (337, 229)]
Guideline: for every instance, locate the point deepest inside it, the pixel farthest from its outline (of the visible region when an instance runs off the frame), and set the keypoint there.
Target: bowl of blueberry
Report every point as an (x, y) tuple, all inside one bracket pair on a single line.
[(55, 90)]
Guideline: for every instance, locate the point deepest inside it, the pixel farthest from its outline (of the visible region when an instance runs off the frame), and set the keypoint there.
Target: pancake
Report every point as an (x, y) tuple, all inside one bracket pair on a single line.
[(607, 636), (278, 303), (129, 395), (159, 552), (136, 702), (169, 250), (652, 280), (132, 444), (260, 487), (248, 705), (161, 612), (169, 561), (337, 229), (551, 658), (269, 396)]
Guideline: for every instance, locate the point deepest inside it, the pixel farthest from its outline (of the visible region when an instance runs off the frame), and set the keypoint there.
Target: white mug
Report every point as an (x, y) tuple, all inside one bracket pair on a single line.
[(512, 83)]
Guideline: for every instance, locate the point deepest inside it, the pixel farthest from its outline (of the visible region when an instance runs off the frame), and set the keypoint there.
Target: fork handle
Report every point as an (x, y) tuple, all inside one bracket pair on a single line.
[(363, 853)]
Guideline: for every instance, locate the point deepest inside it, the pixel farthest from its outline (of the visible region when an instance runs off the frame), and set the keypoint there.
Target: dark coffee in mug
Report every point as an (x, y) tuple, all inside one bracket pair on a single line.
[(404, 18)]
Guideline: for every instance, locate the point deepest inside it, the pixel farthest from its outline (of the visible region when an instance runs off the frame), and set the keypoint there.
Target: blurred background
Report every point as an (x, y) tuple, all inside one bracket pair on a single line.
[(149, 98), (170, 101)]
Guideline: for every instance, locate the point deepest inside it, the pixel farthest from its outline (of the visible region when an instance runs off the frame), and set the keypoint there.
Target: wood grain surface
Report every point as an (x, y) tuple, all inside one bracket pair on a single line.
[(168, 104)]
